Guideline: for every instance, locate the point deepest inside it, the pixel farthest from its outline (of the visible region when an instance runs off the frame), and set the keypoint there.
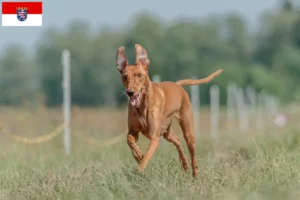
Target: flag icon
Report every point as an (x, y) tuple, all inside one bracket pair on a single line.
[(22, 14)]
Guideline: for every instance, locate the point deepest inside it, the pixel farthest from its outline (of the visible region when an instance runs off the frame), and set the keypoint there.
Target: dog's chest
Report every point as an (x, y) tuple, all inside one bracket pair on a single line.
[(143, 123)]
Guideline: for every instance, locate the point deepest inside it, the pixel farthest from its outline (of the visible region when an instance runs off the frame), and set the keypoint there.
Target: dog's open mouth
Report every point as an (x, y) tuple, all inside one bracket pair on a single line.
[(135, 100)]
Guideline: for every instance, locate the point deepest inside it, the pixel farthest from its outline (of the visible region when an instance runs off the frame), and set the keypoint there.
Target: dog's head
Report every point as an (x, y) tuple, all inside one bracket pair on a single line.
[(134, 77)]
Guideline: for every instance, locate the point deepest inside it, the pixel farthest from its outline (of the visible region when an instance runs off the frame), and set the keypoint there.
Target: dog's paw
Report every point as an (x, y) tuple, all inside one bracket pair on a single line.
[(141, 168)]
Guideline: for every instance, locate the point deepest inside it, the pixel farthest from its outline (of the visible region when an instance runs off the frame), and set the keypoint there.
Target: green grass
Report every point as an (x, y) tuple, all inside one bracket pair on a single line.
[(262, 166)]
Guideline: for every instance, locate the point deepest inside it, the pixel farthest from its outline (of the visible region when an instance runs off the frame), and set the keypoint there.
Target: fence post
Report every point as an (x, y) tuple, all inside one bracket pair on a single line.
[(260, 119), (242, 110), (156, 78), (230, 105), (67, 99), (195, 100), (251, 103), (214, 111)]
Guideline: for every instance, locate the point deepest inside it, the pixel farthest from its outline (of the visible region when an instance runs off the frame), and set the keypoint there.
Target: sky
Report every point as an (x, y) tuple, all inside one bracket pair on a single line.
[(118, 13)]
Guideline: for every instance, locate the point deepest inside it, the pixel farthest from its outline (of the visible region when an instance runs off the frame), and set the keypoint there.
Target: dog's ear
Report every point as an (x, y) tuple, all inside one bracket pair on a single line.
[(141, 56), (121, 59)]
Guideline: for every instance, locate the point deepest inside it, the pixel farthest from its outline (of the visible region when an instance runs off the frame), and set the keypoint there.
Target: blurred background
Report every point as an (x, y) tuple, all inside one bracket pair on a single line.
[(257, 43)]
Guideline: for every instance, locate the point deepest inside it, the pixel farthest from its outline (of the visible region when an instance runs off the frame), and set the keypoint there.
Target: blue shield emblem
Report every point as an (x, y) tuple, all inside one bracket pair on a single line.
[(22, 15)]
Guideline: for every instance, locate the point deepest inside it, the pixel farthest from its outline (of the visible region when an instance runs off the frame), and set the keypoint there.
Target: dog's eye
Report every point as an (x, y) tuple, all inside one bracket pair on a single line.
[(139, 75)]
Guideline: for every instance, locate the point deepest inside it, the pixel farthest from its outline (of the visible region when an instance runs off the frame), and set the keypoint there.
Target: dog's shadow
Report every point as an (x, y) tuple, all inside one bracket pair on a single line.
[(171, 169), (131, 173)]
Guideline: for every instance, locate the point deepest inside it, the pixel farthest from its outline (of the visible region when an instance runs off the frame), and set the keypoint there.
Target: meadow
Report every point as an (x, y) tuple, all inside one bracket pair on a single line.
[(255, 165)]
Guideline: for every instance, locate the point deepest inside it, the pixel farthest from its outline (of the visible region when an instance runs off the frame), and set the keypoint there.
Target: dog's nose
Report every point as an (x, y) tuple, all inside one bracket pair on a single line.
[(130, 92)]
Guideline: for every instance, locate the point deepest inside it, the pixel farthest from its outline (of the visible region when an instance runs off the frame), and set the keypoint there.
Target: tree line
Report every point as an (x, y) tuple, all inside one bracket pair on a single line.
[(267, 58)]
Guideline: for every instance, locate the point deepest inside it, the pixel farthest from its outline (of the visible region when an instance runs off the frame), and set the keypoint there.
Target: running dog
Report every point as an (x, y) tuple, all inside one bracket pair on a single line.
[(152, 106)]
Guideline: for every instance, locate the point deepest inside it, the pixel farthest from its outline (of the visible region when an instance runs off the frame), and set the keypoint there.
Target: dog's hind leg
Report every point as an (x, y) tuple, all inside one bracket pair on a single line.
[(185, 119), (132, 138), (171, 137)]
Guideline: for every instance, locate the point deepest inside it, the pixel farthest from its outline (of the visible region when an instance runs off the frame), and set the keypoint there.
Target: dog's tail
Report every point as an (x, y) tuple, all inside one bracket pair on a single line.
[(200, 81)]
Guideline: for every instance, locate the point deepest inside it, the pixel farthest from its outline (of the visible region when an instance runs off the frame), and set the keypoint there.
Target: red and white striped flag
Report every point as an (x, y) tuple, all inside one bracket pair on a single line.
[(22, 14)]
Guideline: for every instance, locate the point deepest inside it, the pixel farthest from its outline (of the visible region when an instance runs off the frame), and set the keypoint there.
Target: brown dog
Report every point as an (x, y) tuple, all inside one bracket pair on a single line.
[(152, 106)]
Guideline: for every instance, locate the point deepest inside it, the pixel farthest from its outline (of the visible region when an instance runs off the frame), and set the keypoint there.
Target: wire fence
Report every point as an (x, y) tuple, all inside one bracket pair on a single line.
[(56, 132), (245, 106)]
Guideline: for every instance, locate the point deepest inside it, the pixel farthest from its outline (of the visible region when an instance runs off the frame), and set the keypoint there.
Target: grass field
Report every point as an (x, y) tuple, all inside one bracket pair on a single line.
[(237, 166)]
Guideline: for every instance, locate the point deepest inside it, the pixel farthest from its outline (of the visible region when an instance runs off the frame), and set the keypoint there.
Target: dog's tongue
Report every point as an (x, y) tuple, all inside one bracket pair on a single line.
[(133, 100)]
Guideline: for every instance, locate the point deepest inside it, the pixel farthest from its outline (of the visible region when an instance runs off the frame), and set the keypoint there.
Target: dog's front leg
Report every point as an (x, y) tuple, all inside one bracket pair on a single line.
[(132, 138), (154, 142)]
